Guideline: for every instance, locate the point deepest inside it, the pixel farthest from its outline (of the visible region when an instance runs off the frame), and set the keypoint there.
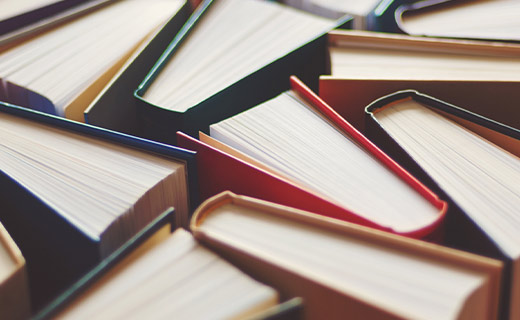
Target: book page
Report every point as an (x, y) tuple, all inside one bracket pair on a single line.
[(233, 39), (479, 176)]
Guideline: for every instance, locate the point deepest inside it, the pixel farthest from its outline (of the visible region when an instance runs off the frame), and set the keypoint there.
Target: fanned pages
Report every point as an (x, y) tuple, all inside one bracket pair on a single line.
[(108, 191), (233, 39), (14, 289), (290, 136), (341, 269), (61, 71), (475, 19), (176, 278), (480, 177)]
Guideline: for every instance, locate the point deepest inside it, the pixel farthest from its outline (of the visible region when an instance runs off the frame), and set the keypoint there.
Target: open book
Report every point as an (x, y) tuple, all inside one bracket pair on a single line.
[(62, 70), (14, 289), (76, 192), (481, 177), (344, 270)]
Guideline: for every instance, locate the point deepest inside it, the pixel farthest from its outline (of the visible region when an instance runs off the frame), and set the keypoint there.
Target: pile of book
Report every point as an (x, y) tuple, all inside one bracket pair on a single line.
[(232, 159)]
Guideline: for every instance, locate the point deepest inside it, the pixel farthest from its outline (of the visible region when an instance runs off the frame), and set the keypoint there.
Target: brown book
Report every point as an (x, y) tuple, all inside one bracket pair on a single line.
[(471, 74), (345, 270)]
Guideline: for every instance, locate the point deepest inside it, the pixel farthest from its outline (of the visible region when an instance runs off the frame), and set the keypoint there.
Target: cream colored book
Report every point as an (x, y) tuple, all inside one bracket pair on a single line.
[(474, 19), (480, 176), (62, 70), (343, 270), (14, 287), (75, 193), (176, 278)]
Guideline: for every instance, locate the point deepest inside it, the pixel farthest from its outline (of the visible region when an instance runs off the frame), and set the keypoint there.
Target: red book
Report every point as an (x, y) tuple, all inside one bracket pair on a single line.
[(220, 168)]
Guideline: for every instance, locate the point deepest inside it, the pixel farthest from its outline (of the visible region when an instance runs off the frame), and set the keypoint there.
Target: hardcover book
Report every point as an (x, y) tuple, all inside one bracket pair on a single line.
[(472, 162), (345, 270), (77, 192)]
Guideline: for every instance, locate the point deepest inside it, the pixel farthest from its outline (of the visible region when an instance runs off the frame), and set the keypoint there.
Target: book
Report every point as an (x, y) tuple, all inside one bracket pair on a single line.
[(61, 71), (177, 277), (14, 289), (336, 9), (475, 19), (341, 269), (21, 20), (77, 192), (320, 183), (255, 46), (473, 74), (470, 159)]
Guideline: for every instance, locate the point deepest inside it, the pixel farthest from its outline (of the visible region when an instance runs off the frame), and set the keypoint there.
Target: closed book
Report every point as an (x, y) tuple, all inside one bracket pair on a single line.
[(342, 270), (474, 74), (77, 192), (471, 162)]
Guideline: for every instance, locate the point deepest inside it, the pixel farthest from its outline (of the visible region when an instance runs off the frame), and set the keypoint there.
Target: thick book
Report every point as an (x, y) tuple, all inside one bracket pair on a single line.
[(495, 20), (472, 162), (229, 56), (172, 277), (223, 167), (343, 270), (14, 288), (473, 74), (77, 192), (61, 71)]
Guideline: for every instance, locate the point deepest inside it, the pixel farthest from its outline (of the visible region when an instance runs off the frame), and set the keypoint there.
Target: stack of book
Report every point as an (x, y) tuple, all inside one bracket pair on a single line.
[(235, 159)]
